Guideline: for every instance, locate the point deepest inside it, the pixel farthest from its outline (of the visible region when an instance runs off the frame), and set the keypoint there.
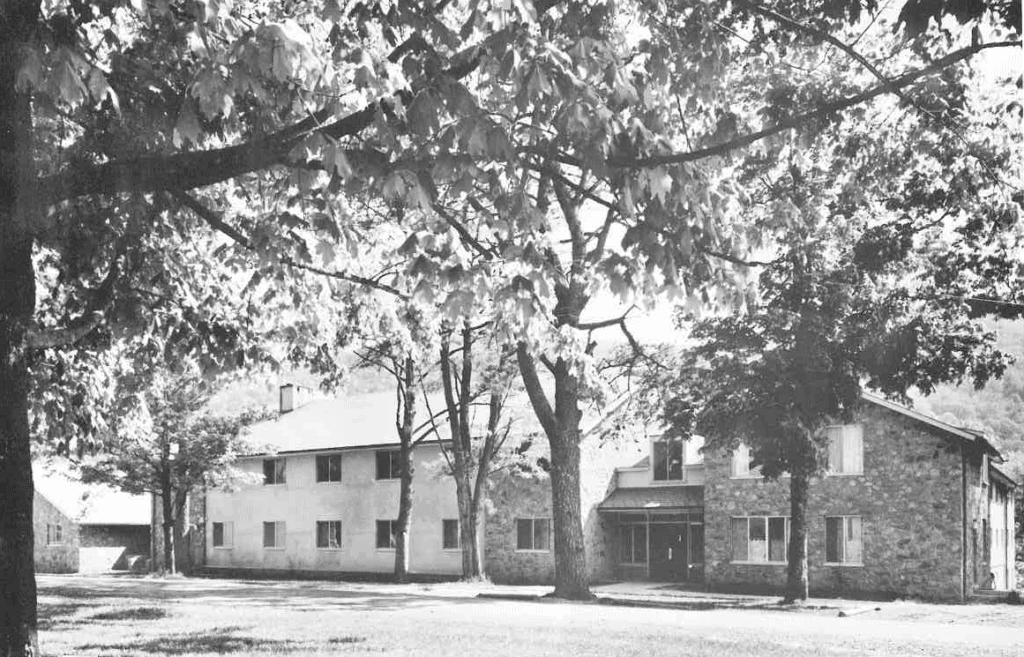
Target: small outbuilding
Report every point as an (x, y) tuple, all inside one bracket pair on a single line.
[(88, 528)]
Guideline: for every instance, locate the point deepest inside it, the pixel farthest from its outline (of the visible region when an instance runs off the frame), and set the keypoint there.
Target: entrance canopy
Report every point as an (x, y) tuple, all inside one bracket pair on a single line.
[(655, 498)]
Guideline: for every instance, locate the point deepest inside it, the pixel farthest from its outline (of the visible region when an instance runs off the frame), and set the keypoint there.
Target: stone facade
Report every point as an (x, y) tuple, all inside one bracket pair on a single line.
[(530, 497), (909, 501), (60, 557)]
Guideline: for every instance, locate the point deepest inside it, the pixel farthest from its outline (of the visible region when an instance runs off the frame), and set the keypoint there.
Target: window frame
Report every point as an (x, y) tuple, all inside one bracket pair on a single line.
[(748, 472), (533, 520), (768, 561), (445, 547), (668, 443), (316, 468), (831, 432), (227, 535), (54, 534), (280, 534), (395, 473), (845, 540), (331, 523), (393, 543), (280, 473), (631, 530)]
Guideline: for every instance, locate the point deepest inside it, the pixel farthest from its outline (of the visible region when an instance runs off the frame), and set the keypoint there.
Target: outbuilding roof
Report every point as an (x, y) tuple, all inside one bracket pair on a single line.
[(91, 504)]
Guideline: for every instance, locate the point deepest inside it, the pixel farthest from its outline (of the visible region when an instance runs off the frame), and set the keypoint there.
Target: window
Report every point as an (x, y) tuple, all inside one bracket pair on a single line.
[(667, 458), (760, 539), (843, 542), (273, 534), (633, 544), (223, 534), (54, 535), (389, 464), (328, 468), (328, 534), (845, 449), (273, 472), (742, 463), (450, 532), (387, 530), (533, 534)]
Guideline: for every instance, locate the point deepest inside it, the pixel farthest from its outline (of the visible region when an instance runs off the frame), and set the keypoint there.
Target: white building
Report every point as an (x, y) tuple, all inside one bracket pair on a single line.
[(324, 494)]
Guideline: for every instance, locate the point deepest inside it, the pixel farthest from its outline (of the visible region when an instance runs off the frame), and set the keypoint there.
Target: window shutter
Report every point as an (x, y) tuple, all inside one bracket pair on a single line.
[(739, 539), (835, 449), (853, 449), (854, 543)]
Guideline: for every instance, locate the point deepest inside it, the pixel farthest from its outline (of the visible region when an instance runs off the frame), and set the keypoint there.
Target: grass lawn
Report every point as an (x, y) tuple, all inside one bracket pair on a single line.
[(121, 616)]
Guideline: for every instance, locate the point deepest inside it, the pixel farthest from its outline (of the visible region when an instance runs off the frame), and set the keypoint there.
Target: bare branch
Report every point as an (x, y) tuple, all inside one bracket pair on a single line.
[(215, 222)]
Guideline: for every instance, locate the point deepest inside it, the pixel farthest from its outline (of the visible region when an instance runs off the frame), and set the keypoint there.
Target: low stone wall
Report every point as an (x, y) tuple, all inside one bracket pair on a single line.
[(909, 500)]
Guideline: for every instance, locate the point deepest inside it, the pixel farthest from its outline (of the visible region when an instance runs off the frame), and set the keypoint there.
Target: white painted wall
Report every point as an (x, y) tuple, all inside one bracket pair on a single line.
[(693, 475), (359, 500)]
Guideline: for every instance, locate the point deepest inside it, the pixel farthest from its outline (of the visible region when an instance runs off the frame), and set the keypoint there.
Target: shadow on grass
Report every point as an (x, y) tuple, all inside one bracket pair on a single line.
[(52, 616), (221, 641), (133, 614)]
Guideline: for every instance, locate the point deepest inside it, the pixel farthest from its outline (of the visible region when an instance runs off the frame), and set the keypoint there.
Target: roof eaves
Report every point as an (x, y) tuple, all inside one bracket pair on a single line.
[(960, 432)]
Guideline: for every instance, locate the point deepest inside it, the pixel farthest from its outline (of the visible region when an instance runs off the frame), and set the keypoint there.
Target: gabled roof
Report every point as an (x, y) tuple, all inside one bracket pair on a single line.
[(90, 504), (349, 422), (961, 433)]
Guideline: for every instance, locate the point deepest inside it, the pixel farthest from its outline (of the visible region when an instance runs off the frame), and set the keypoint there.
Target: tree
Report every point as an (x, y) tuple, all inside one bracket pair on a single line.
[(830, 321), (169, 446), (471, 458), (305, 99)]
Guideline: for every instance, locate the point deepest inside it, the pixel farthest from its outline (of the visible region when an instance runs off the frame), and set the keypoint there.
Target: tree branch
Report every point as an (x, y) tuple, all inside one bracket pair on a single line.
[(800, 119), (214, 221), (534, 390), (46, 338)]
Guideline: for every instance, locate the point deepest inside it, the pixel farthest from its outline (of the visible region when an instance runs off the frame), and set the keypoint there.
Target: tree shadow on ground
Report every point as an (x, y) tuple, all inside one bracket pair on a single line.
[(132, 614), (52, 616), (221, 641)]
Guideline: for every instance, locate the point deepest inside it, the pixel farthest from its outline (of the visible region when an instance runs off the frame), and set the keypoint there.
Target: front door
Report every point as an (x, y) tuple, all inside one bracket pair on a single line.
[(669, 557)]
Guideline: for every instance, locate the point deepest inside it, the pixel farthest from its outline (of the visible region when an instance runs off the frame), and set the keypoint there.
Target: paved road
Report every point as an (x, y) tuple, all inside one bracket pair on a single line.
[(318, 619)]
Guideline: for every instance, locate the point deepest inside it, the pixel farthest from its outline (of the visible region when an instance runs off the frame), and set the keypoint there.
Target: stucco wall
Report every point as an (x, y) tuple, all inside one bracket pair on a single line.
[(908, 498), (61, 558), (519, 497), (359, 500)]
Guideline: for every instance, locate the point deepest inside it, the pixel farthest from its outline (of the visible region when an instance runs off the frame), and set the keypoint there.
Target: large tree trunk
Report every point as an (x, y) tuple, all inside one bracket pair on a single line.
[(405, 430), (796, 580), (562, 427), (18, 635)]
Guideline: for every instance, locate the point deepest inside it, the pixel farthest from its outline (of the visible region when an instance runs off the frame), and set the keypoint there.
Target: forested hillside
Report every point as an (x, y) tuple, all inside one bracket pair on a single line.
[(997, 409)]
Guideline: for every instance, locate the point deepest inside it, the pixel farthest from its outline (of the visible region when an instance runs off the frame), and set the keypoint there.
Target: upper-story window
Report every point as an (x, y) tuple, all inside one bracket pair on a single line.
[(845, 449), (667, 459), (669, 455), (273, 471), (328, 468), (389, 464), (742, 463)]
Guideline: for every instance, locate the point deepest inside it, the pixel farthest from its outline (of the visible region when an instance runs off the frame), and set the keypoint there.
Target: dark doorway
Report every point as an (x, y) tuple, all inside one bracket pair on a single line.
[(669, 552)]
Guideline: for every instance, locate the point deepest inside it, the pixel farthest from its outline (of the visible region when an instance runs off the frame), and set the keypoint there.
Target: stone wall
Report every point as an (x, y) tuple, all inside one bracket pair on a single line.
[(134, 539), (909, 499), (512, 497), (62, 558)]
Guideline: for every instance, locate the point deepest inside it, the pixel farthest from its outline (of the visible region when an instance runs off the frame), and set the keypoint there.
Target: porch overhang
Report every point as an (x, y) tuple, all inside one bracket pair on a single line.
[(654, 498)]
